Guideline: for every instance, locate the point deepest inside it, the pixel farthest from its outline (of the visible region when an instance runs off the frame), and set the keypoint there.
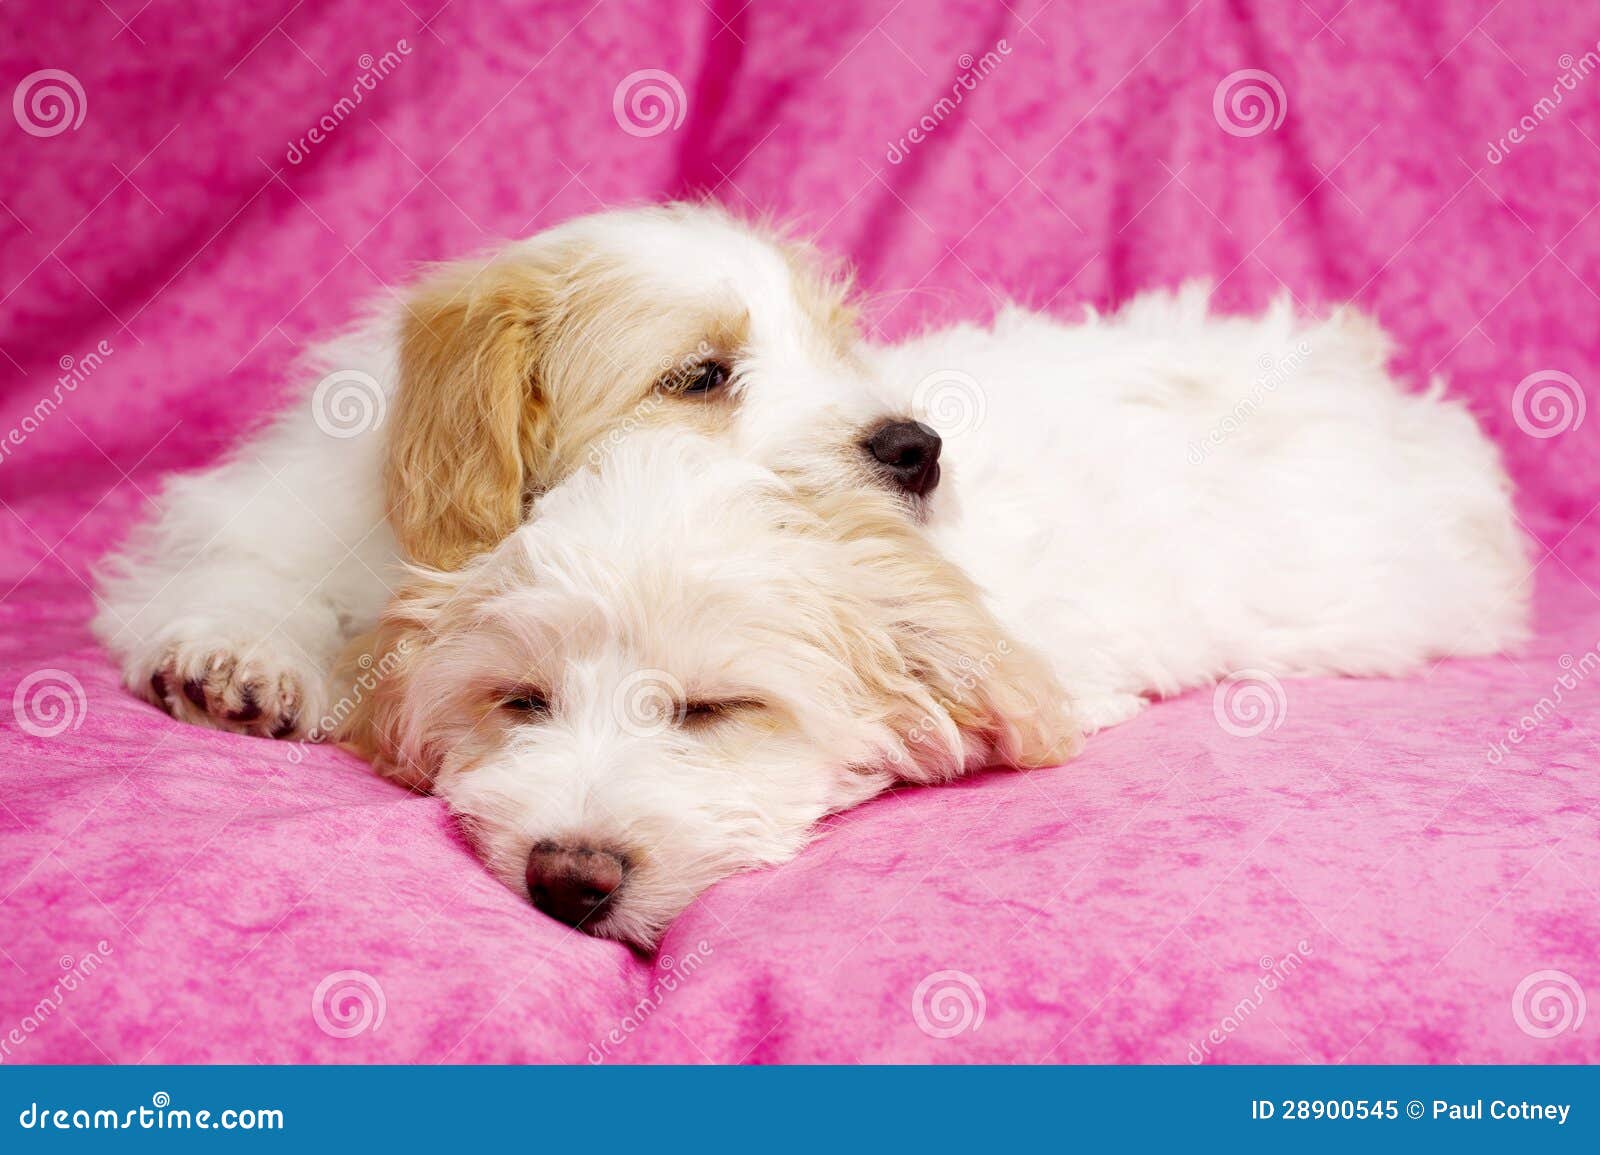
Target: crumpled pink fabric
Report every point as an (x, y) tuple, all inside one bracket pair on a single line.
[(1412, 892)]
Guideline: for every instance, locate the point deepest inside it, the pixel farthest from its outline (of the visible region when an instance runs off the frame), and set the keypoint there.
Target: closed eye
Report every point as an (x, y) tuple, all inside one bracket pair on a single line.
[(525, 700), (698, 715)]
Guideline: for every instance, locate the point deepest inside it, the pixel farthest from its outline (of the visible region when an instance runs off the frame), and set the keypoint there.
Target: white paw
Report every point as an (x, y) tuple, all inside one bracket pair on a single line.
[(1107, 710), (263, 688)]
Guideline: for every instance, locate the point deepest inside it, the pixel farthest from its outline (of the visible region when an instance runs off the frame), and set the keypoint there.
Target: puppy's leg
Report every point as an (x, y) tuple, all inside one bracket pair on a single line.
[(244, 673), (229, 608), (1108, 709)]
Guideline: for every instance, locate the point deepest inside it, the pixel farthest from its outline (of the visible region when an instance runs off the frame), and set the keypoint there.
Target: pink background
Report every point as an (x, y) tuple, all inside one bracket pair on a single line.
[(1115, 910)]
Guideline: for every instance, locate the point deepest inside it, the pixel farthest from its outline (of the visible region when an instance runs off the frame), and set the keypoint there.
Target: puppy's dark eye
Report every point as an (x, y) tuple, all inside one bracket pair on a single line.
[(524, 700), (706, 378)]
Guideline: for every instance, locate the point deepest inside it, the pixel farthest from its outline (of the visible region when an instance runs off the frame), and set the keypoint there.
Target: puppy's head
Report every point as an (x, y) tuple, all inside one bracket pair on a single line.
[(518, 369), (674, 670)]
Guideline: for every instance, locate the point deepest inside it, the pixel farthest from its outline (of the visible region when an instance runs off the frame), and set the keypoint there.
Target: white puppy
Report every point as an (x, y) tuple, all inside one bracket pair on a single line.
[(676, 668), (434, 425), (1165, 497)]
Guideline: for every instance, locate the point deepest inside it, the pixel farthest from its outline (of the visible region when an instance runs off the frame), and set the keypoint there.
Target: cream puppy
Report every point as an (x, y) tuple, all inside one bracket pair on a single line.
[(675, 669), (425, 434)]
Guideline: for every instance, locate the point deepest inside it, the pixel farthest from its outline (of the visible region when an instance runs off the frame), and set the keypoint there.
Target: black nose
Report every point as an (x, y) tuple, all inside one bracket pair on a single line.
[(910, 450), (573, 883)]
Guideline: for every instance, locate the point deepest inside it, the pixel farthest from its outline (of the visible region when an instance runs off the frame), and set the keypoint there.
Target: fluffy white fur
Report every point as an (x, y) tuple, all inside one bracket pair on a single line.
[(1166, 496)]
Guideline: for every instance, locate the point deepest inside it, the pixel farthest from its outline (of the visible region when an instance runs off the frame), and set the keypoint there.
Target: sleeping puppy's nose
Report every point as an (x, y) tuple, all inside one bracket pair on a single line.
[(573, 883), (910, 451)]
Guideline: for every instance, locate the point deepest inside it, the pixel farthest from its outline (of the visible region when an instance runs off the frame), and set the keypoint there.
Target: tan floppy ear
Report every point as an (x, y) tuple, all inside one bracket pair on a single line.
[(991, 685), (374, 679), (469, 417), (826, 291), (1001, 697)]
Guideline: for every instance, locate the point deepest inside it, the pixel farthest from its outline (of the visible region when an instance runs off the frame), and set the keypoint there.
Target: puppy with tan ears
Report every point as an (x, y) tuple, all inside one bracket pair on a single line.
[(434, 426), (675, 668)]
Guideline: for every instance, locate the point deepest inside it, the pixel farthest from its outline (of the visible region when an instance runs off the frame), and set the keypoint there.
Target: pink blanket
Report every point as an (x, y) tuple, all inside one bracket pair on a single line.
[(1367, 871)]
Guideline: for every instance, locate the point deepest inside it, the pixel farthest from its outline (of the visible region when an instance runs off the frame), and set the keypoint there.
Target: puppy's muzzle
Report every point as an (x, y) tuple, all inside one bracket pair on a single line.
[(909, 453), (574, 883)]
